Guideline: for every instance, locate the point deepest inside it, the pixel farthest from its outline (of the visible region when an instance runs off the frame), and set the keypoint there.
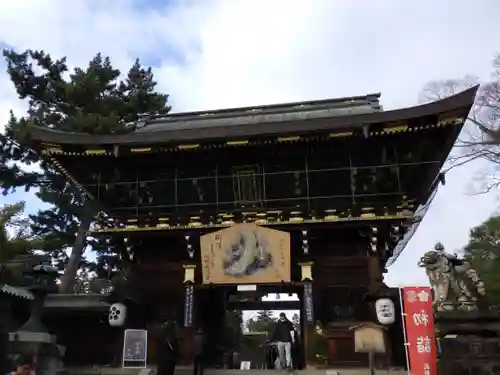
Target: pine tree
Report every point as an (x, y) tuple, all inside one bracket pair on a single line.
[(17, 244), (94, 100), (264, 321), (483, 252)]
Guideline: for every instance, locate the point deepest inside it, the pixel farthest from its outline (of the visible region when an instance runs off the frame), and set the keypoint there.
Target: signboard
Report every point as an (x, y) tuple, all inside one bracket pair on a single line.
[(135, 348), (420, 331), (188, 305), (245, 365), (246, 288), (245, 254), (308, 304)]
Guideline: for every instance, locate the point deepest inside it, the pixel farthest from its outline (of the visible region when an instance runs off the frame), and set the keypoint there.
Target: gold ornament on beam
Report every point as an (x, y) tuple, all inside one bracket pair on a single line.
[(189, 270), (306, 271)]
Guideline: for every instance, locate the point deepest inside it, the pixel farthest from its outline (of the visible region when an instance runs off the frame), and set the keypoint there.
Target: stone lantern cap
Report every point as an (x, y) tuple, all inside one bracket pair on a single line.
[(44, 268)]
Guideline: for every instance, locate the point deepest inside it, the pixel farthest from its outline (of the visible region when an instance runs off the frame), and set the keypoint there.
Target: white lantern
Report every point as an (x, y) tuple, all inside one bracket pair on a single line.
[(117, 314), (386, 312)]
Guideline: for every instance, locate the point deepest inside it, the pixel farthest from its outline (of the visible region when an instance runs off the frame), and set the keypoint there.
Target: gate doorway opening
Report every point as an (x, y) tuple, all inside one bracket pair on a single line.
[(257, 345), (239, 325)]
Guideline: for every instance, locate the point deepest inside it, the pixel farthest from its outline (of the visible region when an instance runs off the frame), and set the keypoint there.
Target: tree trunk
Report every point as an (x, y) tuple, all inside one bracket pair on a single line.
[(4, 338), (69, 276)]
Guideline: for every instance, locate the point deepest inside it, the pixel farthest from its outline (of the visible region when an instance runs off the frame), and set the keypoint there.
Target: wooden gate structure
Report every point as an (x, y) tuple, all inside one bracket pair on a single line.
[(340, 184)]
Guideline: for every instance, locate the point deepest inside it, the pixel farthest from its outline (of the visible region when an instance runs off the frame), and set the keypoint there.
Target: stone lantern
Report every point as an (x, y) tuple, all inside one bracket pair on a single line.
[(33, 337), (41, 280)]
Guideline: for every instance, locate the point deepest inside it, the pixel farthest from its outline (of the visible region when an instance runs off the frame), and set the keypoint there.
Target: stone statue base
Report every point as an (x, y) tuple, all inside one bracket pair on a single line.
[(468, 342), (48, 355)]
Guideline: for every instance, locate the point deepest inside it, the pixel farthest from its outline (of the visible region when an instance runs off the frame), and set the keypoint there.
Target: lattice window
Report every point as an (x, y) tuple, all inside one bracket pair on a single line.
[(247, 185), (344, 354), (344, 275), (345, 304)]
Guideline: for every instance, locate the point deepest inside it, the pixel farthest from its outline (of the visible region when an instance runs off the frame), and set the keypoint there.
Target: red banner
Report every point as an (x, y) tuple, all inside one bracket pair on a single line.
[(420, 336)]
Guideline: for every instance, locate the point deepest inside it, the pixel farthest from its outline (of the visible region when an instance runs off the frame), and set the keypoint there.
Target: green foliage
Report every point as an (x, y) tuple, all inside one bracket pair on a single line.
[(483, 252), (264, 321), (233, 329), (96, 99), (318, 350), (16, 238), (19, 243)]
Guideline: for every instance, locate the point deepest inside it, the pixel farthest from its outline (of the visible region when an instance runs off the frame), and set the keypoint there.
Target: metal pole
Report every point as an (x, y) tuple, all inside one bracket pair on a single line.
[(406, 344)]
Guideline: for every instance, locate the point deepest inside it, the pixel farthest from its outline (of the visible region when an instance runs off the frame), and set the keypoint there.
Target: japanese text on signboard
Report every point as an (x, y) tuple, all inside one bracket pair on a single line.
[(419, 324)]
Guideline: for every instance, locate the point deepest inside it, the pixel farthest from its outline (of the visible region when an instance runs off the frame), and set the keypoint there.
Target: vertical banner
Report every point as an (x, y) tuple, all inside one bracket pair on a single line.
[(188, 305), (420, 330), (308, 304)]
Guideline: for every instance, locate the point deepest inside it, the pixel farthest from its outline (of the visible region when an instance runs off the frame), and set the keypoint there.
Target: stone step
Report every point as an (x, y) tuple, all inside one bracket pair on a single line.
[(360, 371), (189, 371)]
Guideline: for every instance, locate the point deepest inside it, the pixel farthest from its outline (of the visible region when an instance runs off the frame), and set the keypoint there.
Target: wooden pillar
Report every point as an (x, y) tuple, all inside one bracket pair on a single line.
[(374, 270), (211, 318), (4, 329), (307, 308), (308, 303), (189, 313), (187, 331), (377, 289)]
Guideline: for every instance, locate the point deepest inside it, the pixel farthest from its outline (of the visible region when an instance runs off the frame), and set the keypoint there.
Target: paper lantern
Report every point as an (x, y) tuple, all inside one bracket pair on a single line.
[(386, 312), (117, 314)]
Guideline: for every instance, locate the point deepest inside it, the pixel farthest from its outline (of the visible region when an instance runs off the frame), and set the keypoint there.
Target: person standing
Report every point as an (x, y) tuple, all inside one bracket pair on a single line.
[(23, 365), (169, 349), (284, 336), (199, 347)]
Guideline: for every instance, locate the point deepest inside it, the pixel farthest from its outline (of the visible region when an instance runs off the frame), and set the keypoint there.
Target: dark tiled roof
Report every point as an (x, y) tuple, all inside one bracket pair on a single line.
[(262, 114), (275, 123)]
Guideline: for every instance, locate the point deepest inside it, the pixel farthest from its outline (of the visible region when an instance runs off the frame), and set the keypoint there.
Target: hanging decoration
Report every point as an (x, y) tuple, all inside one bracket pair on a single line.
[(386, 312)]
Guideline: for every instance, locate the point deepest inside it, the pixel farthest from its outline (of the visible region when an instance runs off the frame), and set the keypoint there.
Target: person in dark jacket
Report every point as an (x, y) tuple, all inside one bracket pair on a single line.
[(169, 349), (284, 336), (199, 347), (23, 365)]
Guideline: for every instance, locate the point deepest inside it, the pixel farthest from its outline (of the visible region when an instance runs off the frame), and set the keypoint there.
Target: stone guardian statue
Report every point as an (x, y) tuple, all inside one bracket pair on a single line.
[(456, 286)]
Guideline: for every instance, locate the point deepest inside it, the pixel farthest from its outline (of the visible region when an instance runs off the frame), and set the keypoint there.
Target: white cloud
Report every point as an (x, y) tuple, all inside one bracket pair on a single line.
[(224, 53)]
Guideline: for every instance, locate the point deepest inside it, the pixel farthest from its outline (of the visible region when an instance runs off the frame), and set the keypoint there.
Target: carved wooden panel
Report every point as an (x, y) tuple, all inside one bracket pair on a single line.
[(158, 274), (344, 304), (341, 271), (341, 348), (480, 347), (470, 355)]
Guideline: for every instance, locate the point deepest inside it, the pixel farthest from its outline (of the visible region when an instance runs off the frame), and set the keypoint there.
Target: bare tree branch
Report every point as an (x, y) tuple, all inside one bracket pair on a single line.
[(481, 136)]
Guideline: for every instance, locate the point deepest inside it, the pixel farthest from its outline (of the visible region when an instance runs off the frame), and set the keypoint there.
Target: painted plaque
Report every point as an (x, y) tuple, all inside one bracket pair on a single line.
[(245, 254)]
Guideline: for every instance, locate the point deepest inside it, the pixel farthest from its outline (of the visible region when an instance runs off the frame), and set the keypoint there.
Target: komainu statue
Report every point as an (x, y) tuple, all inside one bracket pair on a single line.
[(455, 284)]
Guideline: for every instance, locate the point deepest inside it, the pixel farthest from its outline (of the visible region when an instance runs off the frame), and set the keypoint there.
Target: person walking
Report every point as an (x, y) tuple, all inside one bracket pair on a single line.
[(284, 336), (199, 347)]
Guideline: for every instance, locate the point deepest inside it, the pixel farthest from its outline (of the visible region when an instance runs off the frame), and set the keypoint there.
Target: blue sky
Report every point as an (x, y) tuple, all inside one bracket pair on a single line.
[(224, 53)]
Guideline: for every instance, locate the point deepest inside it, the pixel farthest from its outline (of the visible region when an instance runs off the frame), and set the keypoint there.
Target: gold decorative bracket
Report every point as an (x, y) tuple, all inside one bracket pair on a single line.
[(306, 271), (189, 270)]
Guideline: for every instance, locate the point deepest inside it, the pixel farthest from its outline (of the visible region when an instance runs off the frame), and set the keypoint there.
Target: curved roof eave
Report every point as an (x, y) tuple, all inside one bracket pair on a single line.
[(463, 100)]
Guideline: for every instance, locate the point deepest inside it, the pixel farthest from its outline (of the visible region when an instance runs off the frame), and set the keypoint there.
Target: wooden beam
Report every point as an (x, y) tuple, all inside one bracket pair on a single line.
[(260, 305)]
